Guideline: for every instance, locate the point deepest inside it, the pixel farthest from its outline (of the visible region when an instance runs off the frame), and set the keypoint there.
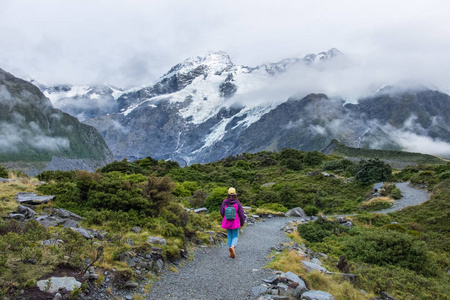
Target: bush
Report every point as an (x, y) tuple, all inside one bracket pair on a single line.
[(3, 172), (376, 204), (274, 207), (267, 196), (316, 231), (215, 199), (64, 176), (390, 247), (311, 210), (372, 170)]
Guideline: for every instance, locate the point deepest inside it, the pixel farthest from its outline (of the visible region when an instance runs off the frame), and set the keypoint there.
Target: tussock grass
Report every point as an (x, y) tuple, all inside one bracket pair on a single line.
[(377, 203), (333, 284)]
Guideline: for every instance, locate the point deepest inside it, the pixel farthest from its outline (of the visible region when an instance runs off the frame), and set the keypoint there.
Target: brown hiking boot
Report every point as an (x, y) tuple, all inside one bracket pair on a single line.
[(232, 254)]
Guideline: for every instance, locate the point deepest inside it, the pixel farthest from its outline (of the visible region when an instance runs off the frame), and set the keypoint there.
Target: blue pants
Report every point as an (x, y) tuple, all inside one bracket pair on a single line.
[(233, 235)]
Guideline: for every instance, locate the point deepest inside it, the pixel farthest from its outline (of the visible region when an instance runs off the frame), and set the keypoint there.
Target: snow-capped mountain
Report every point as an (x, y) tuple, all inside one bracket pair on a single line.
[(208, 108), (82, 102)]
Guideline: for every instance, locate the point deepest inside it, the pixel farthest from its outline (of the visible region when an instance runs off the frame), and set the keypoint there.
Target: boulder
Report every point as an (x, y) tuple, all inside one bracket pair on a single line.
[(156, 240), (63, 213), (259, 290), (84, 232), (316, 295), (313, 267), (19, 217), (296, 212), (136, 229), (69, 283), (32, 198), (131, 284), (201, 210), (28, 212)]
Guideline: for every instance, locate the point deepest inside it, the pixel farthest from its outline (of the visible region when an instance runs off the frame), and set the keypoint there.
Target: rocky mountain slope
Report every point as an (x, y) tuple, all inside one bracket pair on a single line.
[(32, 130), (207, 108)]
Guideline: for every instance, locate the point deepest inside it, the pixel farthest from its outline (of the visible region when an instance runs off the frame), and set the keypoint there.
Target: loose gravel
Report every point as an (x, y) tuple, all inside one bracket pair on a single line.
[(212, 274), (410, 197)]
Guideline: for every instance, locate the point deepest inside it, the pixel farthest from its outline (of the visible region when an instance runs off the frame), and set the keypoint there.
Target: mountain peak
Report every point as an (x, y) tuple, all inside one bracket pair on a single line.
[(217, 61)]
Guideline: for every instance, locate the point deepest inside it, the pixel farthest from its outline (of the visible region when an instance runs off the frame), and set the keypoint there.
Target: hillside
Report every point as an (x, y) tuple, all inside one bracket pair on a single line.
[(32, 131), (397, 158)]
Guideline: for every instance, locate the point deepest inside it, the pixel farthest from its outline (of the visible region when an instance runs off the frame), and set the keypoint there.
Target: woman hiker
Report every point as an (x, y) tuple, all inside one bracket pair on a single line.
[(233, 218)]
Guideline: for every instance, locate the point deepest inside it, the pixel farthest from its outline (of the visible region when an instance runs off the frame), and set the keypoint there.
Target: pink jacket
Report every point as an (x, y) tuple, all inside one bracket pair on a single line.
[(240, 217)]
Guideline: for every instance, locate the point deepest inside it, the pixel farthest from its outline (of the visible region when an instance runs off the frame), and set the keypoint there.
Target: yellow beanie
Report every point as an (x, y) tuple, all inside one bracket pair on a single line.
[(231, 191)]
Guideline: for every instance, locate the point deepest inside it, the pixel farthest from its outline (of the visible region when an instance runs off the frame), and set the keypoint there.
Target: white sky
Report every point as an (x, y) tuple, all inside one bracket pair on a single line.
[(131, 43)]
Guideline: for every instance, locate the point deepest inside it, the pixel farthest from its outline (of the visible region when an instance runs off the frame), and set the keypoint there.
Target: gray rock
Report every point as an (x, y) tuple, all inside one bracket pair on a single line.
[(386, 296), (63, 213), (136, 229), (131, 284), (71, 224), (58, 296), (201, 210), (293, 277), (32, 198), (51, 242), (28, 212), (84, 232), (259, 290), (156, 240), (317, 295), (272, 279), (69, 283), (19, 217), (316, 261), (296, 212), (313, 267)]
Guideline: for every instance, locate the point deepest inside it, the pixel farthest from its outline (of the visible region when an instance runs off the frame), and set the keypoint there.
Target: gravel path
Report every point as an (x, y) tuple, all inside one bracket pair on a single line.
[(410, 196), (214, 275)]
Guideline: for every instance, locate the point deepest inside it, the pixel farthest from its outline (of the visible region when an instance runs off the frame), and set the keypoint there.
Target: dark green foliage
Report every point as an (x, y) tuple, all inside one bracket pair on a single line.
[(339, 165), (373, 170), (313, 158), (293, 164), (215, 199), (157, 191), (3, 172), (316, 231), (274, 207), (311, 210), (57, 176), (123, 166), (267, 196), (390, 247)]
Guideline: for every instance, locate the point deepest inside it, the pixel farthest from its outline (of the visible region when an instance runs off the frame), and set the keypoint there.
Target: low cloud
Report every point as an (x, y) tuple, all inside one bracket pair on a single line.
[(13, 138)]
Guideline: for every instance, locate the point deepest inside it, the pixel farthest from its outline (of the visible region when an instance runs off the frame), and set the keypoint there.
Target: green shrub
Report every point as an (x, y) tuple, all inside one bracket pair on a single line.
[(266, 196), (311, 210), (215, 199), (375, 204), (316, 231), (390, 247), (64, 176), (3, 172), (373, 170), (274, 207)]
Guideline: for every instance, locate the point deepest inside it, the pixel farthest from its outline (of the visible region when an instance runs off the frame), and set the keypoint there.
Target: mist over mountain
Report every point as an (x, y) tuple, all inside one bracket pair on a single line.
[(32, 130), (207, 108)]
